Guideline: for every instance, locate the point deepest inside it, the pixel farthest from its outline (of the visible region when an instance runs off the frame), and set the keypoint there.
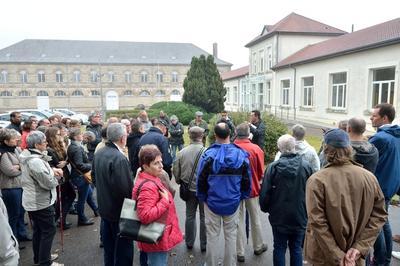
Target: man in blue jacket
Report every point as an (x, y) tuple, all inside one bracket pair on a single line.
[(224, 179), (387, 141)]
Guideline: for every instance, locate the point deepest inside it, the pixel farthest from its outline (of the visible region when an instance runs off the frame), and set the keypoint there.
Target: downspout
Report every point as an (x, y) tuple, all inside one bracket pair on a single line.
[(294, 92)]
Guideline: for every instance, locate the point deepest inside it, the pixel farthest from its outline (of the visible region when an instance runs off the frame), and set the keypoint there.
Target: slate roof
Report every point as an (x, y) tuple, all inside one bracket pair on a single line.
[(379, 35), (237, 73), (103, 52), (296, 24)]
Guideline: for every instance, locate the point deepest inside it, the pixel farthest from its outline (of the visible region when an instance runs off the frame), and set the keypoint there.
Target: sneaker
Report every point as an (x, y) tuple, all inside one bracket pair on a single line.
[(261, 250), (52, 258), (396, 254), (240, 258), (57, 264)]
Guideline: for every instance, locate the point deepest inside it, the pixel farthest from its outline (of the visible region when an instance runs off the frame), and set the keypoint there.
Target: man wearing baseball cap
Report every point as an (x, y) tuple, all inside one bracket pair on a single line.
[(345, 207), (198, 121)]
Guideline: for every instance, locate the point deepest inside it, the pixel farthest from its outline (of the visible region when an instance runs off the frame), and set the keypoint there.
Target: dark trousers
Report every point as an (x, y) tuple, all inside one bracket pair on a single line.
[(383, 244), (281, 241), (44, 230), (13, 200), (117, 251), (83, 191), (67, 198)]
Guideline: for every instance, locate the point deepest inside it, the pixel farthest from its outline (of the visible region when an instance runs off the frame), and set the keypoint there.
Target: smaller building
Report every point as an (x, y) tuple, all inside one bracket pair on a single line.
[(237, 93)]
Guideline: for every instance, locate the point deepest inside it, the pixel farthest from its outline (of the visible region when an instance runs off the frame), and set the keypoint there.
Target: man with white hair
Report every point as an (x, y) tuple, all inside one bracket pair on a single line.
[(113, 177), (303, 148), (283, 197)]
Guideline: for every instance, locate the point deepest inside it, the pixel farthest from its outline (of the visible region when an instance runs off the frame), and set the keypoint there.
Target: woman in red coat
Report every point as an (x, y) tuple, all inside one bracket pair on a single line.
[(156, 202)]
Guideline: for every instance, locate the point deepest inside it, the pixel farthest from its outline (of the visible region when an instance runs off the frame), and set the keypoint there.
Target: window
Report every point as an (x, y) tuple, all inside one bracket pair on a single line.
[(160, 93), (128, 77), (254, 63), (59, 93), (159, 76), (269, 55), (253, 96), (143, 77), (383, 86), (41, 76), (261, 55), (42, 93), (59, 77), (174, 77), (94, 77), (235, 95), (94, 93), (23, 94), (144, 93), (128, 93), (6, 93), (175, 92), (260, 96), (268, 92), (111, 76), (77, 93), (228, 95), (77, 76), (3, 76), (338, 81), (308, 91), (285, 85), (24, 76)]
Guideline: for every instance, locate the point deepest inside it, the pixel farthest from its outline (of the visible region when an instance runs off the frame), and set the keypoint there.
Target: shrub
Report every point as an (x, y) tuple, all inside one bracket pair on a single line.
[(185, 112), (274, 129)]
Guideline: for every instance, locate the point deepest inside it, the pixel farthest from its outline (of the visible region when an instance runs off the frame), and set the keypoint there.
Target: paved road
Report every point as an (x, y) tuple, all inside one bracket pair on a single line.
[(81, 244)]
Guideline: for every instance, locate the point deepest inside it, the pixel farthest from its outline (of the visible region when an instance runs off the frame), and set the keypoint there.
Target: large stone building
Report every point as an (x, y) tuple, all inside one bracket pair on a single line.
[(303, 69), (74, 74)]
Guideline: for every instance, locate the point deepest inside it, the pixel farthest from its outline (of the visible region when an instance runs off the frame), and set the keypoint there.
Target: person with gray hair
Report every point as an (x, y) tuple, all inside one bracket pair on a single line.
[(113, 178), (364, 152), (256, 159), (184, 170), (39, 182), (303, 148), (283, 197)]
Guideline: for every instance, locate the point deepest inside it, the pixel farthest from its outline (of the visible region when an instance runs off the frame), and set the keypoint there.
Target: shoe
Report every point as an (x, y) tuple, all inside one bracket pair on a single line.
[(396, 254), (52, 259), (240, 258), (203, 250), (189, 247), (57, 264), (84, 223), (96, 213), (101, 245), (261, 250), (396, 238), (25, 239)]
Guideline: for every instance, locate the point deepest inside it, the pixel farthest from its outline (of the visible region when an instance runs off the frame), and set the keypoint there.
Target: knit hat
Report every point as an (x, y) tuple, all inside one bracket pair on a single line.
[(337, 138)]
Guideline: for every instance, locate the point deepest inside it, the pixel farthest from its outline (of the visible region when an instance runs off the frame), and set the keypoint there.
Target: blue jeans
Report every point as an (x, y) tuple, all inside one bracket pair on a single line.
[(383, 244), (90, 201), (174, 149), (281, 241), (83, 192), (117, 251), (12, 198), (157, 258)]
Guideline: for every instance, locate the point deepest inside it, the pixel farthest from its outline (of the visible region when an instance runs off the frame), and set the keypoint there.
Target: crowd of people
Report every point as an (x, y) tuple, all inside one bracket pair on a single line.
[(329, 208)]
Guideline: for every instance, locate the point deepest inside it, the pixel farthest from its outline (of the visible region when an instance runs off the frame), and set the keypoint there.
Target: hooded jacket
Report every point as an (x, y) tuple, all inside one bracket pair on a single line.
[(387, 141), (365, 154), (38, 180), (224, 178), (283, 193)]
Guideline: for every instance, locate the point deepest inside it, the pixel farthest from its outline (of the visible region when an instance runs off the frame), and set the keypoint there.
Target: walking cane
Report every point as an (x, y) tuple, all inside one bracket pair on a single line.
[(61, 219)]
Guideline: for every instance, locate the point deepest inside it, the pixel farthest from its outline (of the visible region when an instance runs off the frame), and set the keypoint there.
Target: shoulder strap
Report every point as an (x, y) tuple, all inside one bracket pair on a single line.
[(195, 165), (141, 185)]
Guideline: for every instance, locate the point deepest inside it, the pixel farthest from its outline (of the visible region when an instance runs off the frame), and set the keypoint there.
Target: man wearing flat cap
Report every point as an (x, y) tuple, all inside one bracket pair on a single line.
[(198, 121), (345, 207)]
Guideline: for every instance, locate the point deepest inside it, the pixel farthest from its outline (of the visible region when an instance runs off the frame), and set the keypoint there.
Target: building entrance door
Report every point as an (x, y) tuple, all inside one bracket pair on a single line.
[(112, 102), (42, 102)]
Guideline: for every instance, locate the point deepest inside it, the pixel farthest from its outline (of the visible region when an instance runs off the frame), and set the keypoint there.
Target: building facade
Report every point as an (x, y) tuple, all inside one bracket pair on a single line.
[(89, 75)]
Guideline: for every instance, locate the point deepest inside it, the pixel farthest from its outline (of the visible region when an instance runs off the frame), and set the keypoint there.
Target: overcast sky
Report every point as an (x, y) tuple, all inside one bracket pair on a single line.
[(231, 24)]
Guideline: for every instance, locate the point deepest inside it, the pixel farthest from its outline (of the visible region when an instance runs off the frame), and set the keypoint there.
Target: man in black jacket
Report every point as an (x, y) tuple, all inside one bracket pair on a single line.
[(113, 178), (155, 136), (15, 119), (95, 126), (257, 129)]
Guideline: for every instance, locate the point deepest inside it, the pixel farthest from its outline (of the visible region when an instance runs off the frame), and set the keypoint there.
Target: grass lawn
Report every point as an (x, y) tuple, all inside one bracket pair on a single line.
[(314, 141)]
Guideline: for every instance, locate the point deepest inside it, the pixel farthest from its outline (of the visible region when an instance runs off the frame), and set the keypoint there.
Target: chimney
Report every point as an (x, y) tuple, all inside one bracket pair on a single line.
[(352, 27), (215, 50)]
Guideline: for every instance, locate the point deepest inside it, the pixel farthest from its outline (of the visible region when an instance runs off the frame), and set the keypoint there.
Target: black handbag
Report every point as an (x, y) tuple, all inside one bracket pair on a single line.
[(184, 189), (130, 226)]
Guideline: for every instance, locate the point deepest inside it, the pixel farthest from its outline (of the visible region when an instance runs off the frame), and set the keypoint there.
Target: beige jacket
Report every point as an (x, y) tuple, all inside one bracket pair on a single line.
[(346, 209), (10, 176)]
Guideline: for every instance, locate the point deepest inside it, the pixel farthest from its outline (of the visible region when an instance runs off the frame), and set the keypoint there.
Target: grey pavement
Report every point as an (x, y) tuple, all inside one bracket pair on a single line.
[(81, 244)]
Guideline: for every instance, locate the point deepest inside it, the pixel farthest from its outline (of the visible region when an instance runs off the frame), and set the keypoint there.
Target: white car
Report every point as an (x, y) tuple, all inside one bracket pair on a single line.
[(84, 119)]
